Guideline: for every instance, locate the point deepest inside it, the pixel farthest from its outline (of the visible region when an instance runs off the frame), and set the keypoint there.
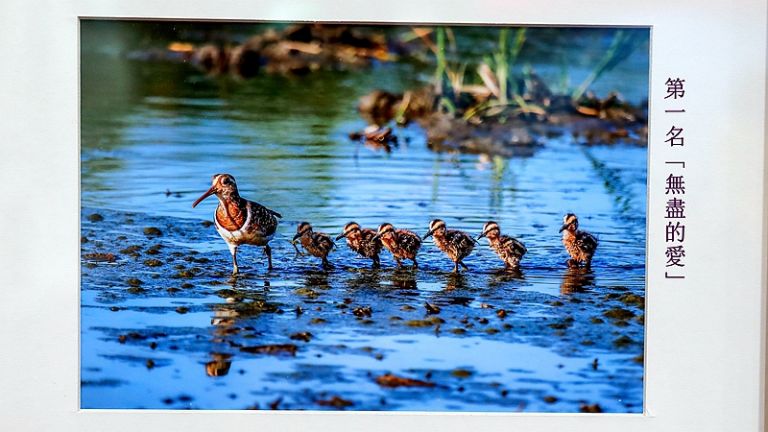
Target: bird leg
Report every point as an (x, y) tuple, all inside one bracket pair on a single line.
[(456, 267), (397, 260), (327, 265), (233, 251), (415, 264), (376, 263), (268, 251), (463, 265), (298, 252)]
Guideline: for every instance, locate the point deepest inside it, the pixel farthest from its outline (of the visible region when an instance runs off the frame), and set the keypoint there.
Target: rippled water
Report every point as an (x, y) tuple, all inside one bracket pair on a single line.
[(154, 133)]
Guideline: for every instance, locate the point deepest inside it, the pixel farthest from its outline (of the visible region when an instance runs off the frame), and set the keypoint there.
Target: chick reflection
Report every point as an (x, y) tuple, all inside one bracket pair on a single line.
[(219, 366), (577, 279), (223, 320), (504, 276), (455, 281), (316, 279), (404, 278), (378, 146), (364, 278)]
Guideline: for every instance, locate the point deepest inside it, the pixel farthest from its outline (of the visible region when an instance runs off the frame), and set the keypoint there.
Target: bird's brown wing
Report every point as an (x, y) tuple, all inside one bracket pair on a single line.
[(514, 244), (461, 241), (322, 241), (369, 246), (586, 242), (409, 241), (264, 218)]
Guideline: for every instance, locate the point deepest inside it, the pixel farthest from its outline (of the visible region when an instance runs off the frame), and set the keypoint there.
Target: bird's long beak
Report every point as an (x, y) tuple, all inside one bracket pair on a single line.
[(297, 236), (482, 234), (563, 227), (342, 235), (210, 192), (376, 237), (428, 234)]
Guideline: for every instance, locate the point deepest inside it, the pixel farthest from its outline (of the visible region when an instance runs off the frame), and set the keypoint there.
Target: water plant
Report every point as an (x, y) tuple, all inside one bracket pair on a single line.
[(507, 86), (622, 45), (441, 61)]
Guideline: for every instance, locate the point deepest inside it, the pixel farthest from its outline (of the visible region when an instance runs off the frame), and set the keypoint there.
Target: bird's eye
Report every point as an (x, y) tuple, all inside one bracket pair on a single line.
[(226, 181)]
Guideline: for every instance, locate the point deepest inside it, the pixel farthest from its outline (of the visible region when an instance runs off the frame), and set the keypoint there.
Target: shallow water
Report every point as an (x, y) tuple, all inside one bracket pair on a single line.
[(153, 134)]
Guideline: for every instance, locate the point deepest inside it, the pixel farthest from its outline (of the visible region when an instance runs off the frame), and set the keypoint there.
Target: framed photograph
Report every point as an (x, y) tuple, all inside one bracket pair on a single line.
[(436, 215), (376, 138)]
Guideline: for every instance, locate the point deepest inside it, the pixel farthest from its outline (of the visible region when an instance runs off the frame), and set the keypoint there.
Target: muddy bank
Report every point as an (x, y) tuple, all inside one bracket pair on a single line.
[(501, 106), (297, 49), (164, 325), (472, 121)]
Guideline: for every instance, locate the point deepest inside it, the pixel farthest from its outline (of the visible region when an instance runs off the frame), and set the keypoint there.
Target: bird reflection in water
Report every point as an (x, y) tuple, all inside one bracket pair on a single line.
[(577, 279), (219, 365), (504, 276), (364, 278), (316, 279), (223, 321), (404, 278), (455, 281)]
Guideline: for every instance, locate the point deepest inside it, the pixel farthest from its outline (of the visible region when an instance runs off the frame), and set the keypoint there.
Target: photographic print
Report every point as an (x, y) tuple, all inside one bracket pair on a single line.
[(316, 216)]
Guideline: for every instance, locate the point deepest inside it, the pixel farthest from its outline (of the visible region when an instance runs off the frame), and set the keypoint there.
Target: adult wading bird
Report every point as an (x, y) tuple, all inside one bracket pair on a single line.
[(239, 221), (509, 249), (580, 245), (316, 243), (456, 244), (402, 243), (361, 240)]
